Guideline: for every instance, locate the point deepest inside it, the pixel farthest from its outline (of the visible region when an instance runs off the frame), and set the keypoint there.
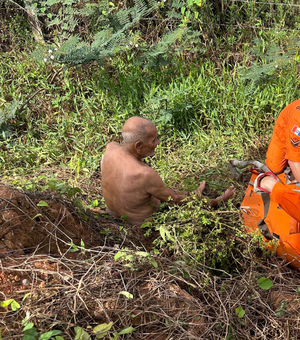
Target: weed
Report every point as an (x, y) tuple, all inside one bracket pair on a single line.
[(132, 258)]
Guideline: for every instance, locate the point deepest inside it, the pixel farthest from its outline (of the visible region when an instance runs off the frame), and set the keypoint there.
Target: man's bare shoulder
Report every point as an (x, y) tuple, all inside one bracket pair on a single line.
[(112, 145), (149, 174), (112, 148)]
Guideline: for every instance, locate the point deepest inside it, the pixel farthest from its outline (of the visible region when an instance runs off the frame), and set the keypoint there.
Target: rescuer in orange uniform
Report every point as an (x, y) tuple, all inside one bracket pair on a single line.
[(284, 148), (283, 151)]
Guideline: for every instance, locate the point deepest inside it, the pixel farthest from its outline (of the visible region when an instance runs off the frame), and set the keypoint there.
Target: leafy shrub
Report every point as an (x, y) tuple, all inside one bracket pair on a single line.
[(199, 234)]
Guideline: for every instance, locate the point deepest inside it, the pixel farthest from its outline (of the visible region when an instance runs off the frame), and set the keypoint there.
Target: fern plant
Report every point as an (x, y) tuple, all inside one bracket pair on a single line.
[(109, 28), (85, 32), (269, 59), (8, 113)]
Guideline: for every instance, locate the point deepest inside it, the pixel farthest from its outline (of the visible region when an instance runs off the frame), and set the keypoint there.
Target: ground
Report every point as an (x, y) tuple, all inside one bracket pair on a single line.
[(60, 265)]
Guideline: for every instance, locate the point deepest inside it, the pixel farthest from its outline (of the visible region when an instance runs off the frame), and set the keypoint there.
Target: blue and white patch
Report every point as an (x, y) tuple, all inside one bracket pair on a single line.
[(296, 130)]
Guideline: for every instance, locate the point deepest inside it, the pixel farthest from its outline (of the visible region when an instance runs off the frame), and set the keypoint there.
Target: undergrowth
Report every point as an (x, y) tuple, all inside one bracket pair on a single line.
[(70, 119)]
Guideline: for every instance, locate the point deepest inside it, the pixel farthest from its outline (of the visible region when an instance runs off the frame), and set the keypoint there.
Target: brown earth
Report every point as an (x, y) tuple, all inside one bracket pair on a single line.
[(27, 227), (61, 289), (37, 232), (43, 223)]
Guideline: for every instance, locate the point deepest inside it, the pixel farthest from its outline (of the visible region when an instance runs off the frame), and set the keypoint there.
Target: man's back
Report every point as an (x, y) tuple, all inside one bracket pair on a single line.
[(123, 185)]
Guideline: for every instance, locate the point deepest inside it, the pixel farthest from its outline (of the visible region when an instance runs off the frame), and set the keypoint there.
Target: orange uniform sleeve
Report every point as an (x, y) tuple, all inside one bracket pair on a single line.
[(285, 142), (293, 136), (288, 199)]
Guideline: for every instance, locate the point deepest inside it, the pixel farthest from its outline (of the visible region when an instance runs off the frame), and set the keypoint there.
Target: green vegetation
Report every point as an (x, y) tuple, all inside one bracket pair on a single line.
[(214, 90)]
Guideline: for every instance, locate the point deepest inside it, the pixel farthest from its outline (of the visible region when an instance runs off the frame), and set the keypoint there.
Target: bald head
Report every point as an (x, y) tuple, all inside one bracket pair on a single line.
[(136, 129)]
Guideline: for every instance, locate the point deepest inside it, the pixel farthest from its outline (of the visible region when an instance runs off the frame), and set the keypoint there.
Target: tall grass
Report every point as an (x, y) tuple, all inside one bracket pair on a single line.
[(74, 116)]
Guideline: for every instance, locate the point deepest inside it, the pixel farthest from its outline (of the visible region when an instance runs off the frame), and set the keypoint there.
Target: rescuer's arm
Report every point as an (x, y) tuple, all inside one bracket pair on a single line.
[(288, 199), (295, 167)]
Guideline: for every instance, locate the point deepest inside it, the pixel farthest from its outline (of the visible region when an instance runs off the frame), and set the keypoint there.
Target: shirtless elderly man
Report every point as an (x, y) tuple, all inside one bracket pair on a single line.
[(130, 187)]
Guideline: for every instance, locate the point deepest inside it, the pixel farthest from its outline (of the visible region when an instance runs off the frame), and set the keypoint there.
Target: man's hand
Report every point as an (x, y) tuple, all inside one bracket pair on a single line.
[(225, 197), (199, 190), (228, 193)]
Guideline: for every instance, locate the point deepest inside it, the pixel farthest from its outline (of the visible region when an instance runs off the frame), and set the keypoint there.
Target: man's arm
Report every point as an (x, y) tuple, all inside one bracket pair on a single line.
[(156, 187)]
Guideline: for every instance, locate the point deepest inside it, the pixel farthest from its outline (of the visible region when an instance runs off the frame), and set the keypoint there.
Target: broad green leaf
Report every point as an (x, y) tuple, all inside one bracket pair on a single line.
[(81, 334), (142, 253), (72, 191), (104, 327), (32, 332), (74, 247), (146, 225), (6, 302), (153, 262), (298, 290), (82, 245), (118, 255), (28, 326), (128, 295), (48, 335), (127, 330), (265, 283), (42, 204), (25, 320), (37, 216), (59, 338), (14, 305), (240, 312), (162, 232)]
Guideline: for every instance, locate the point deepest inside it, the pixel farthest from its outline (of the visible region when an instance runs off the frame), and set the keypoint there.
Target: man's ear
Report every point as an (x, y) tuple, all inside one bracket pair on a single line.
[(138, 145)]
